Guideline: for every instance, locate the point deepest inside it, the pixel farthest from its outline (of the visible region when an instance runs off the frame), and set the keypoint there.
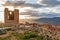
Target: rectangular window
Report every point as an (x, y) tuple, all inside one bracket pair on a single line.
[(11, 16)]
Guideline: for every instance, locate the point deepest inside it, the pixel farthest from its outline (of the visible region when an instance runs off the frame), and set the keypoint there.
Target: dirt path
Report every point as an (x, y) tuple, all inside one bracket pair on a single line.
[(5, 35), (13, 38)]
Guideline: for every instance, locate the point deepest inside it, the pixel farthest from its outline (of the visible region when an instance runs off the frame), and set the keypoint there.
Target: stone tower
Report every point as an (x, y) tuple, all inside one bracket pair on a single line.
[(11, 17)]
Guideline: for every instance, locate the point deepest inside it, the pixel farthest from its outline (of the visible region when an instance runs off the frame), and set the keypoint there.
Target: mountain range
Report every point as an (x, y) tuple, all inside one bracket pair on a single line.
[(55, 20)]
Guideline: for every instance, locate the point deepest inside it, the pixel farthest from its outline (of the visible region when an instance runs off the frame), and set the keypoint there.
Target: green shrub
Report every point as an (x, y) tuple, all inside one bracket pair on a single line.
[(29, 36)]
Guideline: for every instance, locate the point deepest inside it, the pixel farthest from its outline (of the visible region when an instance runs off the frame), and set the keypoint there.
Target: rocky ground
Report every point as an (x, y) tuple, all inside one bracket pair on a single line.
[(48, 32)]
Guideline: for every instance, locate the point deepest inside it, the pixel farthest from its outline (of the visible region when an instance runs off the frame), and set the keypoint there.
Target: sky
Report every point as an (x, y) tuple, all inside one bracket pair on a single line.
[(32, 9)]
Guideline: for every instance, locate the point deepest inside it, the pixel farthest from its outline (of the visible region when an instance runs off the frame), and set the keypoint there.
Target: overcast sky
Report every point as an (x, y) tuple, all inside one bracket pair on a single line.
[(32, 8)]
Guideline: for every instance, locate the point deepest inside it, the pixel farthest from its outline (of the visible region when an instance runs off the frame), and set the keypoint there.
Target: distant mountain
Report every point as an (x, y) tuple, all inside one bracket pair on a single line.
[(55, 20)]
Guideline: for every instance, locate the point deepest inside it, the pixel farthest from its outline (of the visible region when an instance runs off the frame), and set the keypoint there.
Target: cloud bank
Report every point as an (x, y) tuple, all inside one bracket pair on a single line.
[(41, 8)]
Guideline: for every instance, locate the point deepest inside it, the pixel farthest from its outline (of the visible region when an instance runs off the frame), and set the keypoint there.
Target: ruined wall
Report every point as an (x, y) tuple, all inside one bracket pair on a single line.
[(11, 19)]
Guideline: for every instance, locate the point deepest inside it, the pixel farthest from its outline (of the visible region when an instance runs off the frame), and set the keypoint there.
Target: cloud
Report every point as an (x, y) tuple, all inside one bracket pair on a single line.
[(50, 2), (46, 15), (14, 3), (48, 10), (38, 14), (22, 3), (34, 5)]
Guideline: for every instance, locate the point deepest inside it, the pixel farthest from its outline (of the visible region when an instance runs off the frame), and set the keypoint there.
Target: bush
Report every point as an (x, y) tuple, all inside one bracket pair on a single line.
[(28, 36), (33, 36)]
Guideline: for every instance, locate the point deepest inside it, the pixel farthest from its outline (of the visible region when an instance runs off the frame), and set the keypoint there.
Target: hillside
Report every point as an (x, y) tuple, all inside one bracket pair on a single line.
[(55, 20)]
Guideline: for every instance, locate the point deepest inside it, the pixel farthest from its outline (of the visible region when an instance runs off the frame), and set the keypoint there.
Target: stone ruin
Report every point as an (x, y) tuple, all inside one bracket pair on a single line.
[(11, 18)]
